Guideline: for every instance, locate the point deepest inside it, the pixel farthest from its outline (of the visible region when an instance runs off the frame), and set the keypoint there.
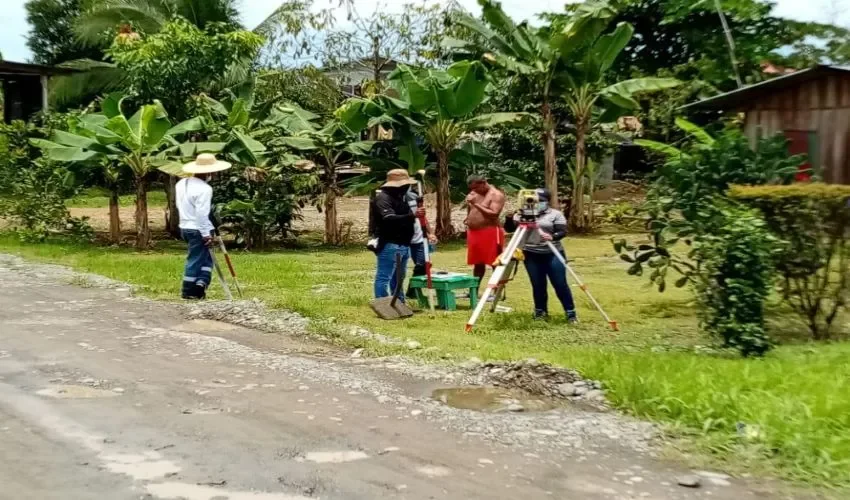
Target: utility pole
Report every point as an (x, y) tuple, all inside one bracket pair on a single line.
[(730, 41)]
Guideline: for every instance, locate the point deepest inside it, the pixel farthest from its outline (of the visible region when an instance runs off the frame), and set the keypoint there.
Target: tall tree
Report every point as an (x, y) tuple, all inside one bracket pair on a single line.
[(51, 38), (688, 38), (588, 94), (149, 16), (536, 56), (368, 46)]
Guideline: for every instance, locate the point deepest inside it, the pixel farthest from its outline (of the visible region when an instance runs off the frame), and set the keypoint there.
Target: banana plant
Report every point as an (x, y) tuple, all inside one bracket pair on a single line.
[(133, 142), (693, 131), (536, 56), (438, 106), (589, 97), (326, 147), (232, 127)]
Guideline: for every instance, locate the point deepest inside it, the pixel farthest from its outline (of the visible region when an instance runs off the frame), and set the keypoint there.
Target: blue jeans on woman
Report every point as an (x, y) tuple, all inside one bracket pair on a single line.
[(385, 276), (539, 267), (198, 272)]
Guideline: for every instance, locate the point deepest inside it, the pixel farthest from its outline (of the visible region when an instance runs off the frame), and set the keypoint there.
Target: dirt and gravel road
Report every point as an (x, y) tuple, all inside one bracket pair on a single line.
[(106, 396)]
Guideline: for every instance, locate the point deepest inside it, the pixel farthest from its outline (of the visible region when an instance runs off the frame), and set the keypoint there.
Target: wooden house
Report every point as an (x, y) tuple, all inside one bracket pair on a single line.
[(811, 108), (25, 89)]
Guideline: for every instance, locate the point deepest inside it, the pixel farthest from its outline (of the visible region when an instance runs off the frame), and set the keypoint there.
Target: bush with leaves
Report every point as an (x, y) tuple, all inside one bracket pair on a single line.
[(257, 204), (684, 202), (33, 189), (688, 204), (813, 222), (180, 60), (260, 196), (735, 280)]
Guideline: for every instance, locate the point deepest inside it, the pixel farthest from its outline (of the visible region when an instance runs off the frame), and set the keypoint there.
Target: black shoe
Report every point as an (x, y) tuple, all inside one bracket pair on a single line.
[(571, 317), (541, 316)]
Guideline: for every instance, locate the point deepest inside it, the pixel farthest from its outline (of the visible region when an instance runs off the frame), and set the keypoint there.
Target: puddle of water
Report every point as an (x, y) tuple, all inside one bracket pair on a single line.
[(491, 399), (75, 392)]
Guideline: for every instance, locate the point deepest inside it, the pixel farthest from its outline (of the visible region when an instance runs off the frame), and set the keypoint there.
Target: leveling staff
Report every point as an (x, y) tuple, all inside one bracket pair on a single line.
[(540, 262)]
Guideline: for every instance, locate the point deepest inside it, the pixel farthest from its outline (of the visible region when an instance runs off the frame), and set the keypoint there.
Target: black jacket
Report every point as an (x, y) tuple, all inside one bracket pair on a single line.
[(391, 219)]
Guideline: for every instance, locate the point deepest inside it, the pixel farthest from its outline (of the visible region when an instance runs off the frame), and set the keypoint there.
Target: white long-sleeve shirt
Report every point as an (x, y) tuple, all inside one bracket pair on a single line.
[(194, 198)]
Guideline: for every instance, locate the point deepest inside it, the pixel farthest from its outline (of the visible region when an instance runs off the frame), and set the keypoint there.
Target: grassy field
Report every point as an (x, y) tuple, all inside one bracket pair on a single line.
[(99, 198), (795, 402)]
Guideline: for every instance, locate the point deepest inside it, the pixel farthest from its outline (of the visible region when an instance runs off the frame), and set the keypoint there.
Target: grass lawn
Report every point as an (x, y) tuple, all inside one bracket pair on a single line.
[(795, 402), (99, 198)]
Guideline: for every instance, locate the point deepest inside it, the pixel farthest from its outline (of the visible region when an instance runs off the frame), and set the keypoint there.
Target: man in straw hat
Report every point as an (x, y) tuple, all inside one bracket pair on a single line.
[(391, 230), (194, 202)]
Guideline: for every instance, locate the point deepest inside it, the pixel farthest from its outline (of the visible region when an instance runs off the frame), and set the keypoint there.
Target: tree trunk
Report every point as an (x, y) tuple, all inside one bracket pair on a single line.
[(114, 218), (444, 229), (172, 218), (550, 168), (331, 224), (143, 232), (577, 215)]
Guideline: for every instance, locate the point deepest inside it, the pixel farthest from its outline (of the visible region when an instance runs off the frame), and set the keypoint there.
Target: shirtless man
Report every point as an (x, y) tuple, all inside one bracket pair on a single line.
[(484, 236)]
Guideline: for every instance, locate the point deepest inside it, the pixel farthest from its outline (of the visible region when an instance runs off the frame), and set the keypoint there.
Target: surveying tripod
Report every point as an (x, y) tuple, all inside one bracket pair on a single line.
[(506, 268)]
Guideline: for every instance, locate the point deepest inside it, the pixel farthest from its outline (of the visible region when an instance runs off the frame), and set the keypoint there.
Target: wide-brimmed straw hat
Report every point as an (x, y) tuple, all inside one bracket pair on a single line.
[(398, 178), (205, 163)]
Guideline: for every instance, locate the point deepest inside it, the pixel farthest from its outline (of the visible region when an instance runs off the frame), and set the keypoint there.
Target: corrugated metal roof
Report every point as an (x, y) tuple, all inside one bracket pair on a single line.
[(735, 98)]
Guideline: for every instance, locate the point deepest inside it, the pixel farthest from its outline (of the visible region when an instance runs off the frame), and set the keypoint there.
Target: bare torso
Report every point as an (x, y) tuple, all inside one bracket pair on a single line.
[(494, 201)]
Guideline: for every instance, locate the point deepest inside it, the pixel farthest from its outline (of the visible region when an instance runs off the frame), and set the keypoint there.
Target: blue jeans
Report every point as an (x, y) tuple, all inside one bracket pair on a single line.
[(541, 266), (417, 255), (385, 279), (198, 272)]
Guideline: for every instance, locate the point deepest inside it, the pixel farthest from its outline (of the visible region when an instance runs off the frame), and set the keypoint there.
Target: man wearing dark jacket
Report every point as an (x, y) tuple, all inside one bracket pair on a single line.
[(392, 225)]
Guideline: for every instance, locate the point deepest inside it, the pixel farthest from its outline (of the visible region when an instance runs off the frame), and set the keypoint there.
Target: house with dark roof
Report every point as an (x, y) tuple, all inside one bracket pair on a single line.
[(811, 108), (25, 88), (352, 74)]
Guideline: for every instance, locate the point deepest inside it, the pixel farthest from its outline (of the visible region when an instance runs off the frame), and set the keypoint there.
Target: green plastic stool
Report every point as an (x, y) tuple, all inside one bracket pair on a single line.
[(444, 286)]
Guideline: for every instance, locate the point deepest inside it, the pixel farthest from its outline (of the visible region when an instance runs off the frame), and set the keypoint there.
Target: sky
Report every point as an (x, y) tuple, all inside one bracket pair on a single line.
[(14, 24)]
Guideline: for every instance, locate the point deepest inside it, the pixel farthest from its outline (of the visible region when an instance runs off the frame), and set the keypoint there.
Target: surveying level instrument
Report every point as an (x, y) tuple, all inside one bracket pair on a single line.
[(506, 263)]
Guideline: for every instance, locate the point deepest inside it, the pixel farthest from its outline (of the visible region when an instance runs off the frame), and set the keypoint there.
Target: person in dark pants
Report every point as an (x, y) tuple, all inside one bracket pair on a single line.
[(194, 203), (421, 236), (391, 231), (541, 263)]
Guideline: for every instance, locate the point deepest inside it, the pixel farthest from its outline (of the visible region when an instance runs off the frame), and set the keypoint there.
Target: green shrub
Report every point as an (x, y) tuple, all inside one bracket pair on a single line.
[(813, 222), (33, 190), (734, 280), (688, 204)]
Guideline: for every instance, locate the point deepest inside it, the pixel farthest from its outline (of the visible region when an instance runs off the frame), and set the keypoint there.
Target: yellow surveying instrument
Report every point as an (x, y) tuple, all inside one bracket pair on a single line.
[(508, 260)]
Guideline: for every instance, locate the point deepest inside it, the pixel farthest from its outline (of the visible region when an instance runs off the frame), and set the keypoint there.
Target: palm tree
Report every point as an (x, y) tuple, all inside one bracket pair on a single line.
[(149, 16)]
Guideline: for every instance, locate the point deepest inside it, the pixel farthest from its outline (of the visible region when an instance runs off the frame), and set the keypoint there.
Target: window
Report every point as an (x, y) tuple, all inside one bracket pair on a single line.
[(804, 142)]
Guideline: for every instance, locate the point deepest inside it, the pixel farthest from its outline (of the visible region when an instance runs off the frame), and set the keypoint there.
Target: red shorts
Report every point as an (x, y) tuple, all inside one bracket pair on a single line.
[(483, 246)]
